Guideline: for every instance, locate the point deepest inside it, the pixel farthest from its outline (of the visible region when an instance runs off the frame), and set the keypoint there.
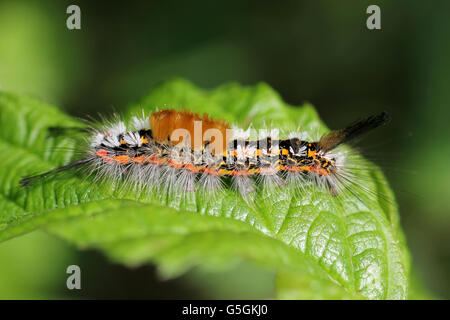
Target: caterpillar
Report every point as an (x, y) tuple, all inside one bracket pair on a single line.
[(180, 150)]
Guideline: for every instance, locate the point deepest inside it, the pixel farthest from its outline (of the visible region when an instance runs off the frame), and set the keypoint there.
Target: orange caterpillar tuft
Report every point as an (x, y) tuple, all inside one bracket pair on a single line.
[(165, 122)]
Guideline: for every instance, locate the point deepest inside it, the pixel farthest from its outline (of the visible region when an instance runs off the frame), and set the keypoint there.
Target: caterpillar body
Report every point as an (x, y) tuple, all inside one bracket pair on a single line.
[(180, 150)]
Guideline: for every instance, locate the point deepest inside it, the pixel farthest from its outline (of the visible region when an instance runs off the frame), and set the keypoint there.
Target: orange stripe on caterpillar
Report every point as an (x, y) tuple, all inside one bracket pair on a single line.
[(158, 161), (192, 168), (318, 170), (241, 173), (104, 155), (139, 159), (175, 164), (122, 159)]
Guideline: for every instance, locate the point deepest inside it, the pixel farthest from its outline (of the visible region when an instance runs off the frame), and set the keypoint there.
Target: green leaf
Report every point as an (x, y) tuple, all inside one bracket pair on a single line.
[(321, 248)]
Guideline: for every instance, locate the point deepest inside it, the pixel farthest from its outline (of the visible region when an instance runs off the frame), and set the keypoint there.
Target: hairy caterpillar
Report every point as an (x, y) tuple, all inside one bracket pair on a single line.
[(179, 150)]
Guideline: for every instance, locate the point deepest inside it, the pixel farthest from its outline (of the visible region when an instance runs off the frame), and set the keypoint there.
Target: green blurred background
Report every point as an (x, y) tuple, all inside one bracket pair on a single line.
[(316, 51)]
